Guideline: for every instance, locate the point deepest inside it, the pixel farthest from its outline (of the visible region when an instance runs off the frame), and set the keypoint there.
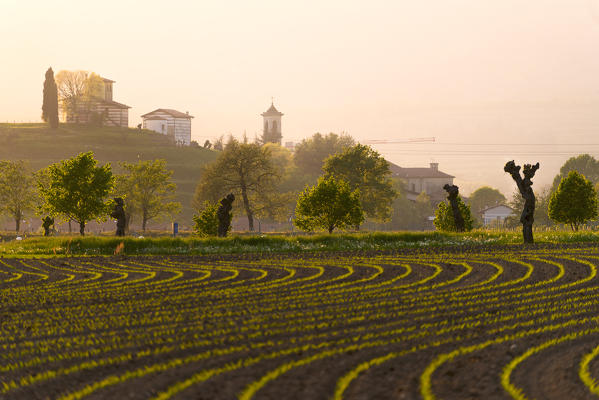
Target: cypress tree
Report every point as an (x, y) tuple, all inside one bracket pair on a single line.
[(50, 105)]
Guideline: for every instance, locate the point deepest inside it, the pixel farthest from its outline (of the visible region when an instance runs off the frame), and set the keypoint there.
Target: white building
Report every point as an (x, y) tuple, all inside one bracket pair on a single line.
[(496, 215), (170, 122)]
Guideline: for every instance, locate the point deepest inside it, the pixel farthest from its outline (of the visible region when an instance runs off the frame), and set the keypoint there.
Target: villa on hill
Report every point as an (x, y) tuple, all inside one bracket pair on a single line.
[(170, 122), (428, 180), (101, 109)]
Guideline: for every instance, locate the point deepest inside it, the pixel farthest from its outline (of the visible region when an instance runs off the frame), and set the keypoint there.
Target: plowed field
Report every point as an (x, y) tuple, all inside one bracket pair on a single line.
[(486, 324)]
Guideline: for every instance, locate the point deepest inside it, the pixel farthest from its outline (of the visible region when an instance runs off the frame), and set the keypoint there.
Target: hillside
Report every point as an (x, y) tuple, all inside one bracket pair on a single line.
[(43, 146)]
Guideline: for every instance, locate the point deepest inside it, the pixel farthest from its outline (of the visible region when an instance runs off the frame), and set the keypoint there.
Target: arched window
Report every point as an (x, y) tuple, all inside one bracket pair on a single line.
[(265, 126), (274, 126)]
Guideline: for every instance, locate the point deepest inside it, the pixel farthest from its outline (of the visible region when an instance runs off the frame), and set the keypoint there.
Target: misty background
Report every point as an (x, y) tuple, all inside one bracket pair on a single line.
[(491, 81)]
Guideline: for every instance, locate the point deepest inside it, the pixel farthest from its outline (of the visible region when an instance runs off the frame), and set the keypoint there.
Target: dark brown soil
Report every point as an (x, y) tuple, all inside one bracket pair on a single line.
[(143, 319)]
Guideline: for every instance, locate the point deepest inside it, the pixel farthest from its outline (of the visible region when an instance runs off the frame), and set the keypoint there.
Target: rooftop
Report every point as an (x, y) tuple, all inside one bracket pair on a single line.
[(272, 111), (406, 173), (169, 111)]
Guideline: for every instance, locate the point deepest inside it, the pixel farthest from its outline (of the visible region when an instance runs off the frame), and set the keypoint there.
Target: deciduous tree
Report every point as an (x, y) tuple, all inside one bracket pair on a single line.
[(76, 189), (309, 154), (247, 171), (574, 202), (17, 190), (584, 164), (365, 169), (76, 90), (50, 101), (328, 205), (147, 189)]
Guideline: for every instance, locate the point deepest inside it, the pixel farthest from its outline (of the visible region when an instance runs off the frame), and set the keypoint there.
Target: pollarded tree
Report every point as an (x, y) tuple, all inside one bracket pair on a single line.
[(148, 191), (574, 202), (444, 220), (365, 169), (247, 171), (76, 189), (17, 190), (50, 102), (328, 205)]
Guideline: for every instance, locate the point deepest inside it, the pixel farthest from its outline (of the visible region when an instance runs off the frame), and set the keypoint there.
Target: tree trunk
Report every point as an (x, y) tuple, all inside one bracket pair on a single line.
[(331, 229), (18, 224), (246, 205), (527, 232), (70, 227), (82, 228), (144, 219), (127, 222)]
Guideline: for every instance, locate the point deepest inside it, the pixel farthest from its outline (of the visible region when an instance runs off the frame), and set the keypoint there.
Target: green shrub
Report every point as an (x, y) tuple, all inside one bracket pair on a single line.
[(206, 223), (444, 217)]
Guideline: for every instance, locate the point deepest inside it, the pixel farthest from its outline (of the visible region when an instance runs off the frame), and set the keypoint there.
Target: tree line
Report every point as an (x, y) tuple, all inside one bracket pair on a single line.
[(571, 200), (79, 190), (328, 182)]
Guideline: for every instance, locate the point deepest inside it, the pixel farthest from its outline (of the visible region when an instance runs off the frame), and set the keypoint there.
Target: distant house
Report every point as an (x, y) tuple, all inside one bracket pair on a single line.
[(428, 180), (101, 109), (170, 122), (496, 215)]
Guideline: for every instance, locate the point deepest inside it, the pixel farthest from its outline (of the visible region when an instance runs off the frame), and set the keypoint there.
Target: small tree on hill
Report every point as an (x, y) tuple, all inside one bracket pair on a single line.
[(574, 202), (328, 205), (50, 102), (444, 220), (206, 222), (17, 190), (76, 189), (76, 91)]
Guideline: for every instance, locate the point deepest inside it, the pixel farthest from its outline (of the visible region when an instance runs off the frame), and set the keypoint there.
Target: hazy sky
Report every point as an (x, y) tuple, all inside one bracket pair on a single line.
[(503, 71)]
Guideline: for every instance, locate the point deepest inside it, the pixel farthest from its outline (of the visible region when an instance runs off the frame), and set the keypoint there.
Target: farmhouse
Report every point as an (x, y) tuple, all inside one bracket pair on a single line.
[(428, 180), (100, 109), (170, 122), (496, 215)]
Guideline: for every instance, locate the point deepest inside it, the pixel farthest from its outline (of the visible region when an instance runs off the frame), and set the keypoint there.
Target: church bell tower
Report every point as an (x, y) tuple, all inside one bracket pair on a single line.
[(272, 125)]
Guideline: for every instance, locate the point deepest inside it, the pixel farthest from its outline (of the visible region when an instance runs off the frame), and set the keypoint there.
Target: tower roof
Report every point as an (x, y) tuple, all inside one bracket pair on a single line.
[(271, 111)]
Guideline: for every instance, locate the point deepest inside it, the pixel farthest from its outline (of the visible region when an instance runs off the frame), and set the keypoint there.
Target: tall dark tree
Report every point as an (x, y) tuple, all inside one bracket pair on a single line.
[(525, 188), (50, 104), (453, 195)]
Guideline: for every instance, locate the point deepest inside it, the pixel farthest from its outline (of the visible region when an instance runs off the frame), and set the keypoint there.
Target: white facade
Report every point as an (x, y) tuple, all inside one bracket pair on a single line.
[(496, 215), (169, 122)]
